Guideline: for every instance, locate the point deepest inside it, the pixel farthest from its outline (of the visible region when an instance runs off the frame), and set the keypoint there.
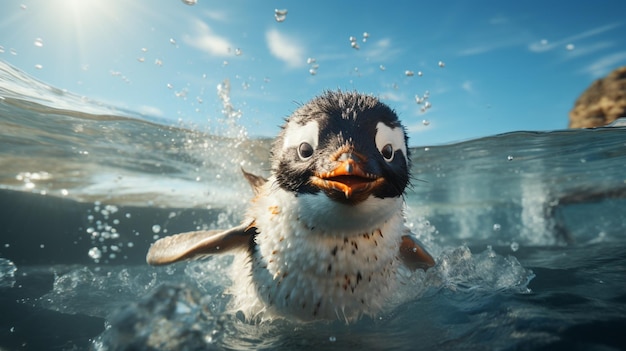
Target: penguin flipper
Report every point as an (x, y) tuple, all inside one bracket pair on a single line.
[(256, 182), (414, 255), (199, 243)]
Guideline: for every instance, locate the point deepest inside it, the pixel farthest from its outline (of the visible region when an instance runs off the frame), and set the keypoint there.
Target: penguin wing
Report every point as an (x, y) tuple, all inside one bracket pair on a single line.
[(413, 253), (199, 243), (256, 182)]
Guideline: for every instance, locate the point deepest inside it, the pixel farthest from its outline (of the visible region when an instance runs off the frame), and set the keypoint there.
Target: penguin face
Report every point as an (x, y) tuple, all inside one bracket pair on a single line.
[(347, 146)]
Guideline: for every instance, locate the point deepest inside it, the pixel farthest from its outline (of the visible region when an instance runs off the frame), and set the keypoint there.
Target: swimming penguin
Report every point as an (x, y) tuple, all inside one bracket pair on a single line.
[(324, 237)]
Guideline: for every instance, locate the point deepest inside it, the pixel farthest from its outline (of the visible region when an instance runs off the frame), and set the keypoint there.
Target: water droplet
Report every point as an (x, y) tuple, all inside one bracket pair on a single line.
[(280, 15), (441, 64), (409, 73), (332, 338), (190, 2), (514, 246), (569, 47), (38, 42), (510, 158), (496, 227), (156, 228)]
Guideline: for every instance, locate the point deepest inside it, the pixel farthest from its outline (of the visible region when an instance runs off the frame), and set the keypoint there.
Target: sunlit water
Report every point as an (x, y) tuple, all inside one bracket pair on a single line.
[(528, 231)]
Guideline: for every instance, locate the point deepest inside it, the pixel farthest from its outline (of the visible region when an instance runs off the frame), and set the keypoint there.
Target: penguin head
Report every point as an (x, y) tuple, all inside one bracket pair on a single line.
[(346, 146)]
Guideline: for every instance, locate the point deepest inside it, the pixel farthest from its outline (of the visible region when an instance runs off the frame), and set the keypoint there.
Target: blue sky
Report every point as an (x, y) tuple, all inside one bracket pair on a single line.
[(507, 65)]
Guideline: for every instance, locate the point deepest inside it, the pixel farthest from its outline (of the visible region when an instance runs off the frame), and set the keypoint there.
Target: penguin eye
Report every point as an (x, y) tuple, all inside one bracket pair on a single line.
[(305, 151), (387, 152)]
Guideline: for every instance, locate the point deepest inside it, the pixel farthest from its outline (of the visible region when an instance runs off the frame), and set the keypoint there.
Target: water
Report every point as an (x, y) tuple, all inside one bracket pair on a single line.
[(528, 230)]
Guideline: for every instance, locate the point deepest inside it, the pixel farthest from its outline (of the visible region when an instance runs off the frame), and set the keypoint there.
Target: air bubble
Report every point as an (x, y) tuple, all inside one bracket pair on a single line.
[(38, 42), (510, 158), (514, 246), (156, 228), (441, 64), (425, 122), (382, 68), (310, 60), (353, 43), (172, 41), (496, 227), (190, 2), (569, 47), (332, 339), (238, 52), (409, 73), (280, 15)]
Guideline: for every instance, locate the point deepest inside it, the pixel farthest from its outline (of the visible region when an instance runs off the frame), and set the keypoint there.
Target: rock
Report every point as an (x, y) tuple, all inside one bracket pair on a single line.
[(602, 103)]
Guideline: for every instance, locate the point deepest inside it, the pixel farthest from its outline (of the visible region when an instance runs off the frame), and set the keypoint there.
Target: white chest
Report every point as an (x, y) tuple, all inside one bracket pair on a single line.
[(312, 271)]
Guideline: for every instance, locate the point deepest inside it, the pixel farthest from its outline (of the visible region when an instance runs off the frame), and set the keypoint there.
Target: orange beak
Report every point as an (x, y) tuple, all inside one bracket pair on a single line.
[(349, 178)]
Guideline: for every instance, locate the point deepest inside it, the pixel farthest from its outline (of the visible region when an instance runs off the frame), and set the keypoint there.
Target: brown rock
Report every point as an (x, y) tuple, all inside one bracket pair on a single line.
[(602, 103)]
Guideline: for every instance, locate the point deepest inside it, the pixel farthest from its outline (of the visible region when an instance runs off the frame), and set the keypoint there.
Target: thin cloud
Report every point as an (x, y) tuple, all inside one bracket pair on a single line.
[(380, 50), (285, 48), (220, 16), (493, 44), (467, 86), (543, 46), (588, 49), (204, 39), (606, 64)]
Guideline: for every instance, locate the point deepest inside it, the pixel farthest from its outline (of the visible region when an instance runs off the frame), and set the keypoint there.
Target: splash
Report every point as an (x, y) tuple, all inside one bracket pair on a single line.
[(7, 273)]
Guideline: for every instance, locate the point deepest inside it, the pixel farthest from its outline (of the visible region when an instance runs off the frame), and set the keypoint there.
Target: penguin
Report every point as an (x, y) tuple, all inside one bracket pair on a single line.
[(324, 237)]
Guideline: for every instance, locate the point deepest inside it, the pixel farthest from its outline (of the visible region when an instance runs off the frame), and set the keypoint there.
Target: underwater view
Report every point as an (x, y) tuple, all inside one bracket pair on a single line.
[(526, 225)]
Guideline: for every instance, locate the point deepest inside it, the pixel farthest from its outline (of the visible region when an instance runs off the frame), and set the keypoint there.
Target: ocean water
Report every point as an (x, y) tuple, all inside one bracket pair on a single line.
[(528, 230)]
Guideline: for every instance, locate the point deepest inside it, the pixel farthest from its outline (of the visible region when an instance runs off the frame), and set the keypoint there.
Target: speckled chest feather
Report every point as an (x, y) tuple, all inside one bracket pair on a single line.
[(319, 272)]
